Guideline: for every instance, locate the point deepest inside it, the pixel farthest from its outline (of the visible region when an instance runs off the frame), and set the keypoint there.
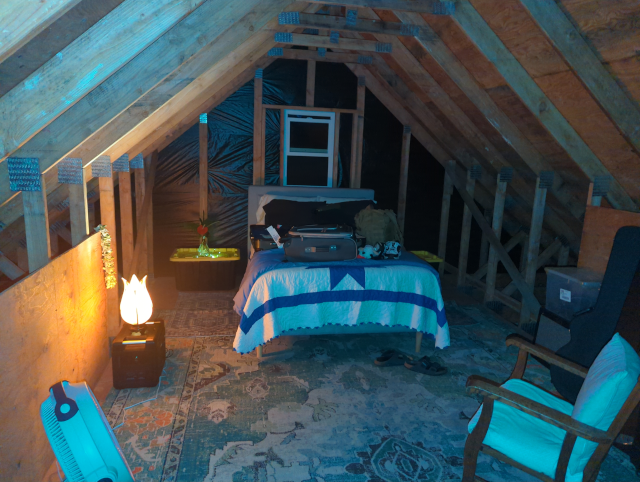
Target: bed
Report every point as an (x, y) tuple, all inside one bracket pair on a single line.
[(278, 297)]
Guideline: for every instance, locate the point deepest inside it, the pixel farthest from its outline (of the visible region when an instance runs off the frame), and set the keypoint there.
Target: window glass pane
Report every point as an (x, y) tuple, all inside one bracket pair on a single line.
[(307, 171), (308, 136)]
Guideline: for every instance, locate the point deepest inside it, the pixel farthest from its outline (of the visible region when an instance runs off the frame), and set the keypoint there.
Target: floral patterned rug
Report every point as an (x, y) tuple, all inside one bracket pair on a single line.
[(317, 409)]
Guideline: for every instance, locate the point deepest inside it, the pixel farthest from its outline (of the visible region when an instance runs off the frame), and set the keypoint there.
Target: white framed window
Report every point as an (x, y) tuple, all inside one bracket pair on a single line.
[(308, 148)]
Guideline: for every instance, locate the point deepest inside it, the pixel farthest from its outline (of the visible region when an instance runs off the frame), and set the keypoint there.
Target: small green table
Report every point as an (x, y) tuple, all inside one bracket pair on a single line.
[(207, 273)]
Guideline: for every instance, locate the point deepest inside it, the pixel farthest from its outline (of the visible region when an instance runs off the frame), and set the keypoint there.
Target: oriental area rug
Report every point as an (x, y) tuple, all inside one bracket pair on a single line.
[(315, 409)]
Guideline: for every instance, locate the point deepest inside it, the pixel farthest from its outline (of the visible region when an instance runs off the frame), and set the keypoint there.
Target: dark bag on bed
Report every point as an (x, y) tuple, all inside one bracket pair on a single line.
[(321, 243)]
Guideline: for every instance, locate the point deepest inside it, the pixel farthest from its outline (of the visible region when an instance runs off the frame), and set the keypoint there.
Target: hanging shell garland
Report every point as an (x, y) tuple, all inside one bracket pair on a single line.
[(108, 263)]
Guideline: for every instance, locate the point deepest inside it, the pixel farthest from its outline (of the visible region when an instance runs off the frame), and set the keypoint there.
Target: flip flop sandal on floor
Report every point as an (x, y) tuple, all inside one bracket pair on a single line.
[(392, 358), (426, 367)]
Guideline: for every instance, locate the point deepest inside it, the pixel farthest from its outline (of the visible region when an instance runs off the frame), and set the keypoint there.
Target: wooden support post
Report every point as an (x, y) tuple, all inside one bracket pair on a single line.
[(258, 129), (126, 223), (141, 269), (472, 175), (53, 241), (23, 258), (484, 243), (503, 256), (146, 212), (91, 214), (64, 233), (447, 191), (79, 212), (36, 224), (360, 132), (336, 152), (544, 182), (404, 177), (149, 183), (354, 151), (543, 258), (203, 169), (311, 82), (515, 240), (108, 218), (282, 140), (505, 175)]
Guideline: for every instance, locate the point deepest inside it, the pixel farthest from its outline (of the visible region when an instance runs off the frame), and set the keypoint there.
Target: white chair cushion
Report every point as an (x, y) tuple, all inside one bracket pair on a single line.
[(526, 439), (607, 386)]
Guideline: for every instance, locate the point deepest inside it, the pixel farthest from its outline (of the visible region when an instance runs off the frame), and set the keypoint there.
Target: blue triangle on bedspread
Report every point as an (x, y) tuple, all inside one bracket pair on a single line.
[(338, 273)]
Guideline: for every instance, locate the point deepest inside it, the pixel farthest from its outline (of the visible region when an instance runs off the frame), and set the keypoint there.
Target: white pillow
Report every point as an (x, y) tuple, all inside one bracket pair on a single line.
[(609, 382)]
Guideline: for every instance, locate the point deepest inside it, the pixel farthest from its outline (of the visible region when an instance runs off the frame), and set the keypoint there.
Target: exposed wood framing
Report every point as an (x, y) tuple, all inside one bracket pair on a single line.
[(78, 212), (514, 241), (439, 51), (9, 268), (76, 130), (311, 83), (142, 268), (498, 216), (484, 243), (535, 99), (203, 167), (146, 211), (361, 25), (533, 249), (258, 130), (447, 191), (325, 42), (83, 65), (543, 259), (584, 62), (336, 57), (22, 21), (404, 176), (108, 218), (359, 131), (126, 223), (421, 6), (529, 300), (36, 224), (465, 235), (336, 151)]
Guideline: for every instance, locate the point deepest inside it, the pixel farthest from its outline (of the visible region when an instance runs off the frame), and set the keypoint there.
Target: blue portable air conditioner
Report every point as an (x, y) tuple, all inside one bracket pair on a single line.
[(81, 437)]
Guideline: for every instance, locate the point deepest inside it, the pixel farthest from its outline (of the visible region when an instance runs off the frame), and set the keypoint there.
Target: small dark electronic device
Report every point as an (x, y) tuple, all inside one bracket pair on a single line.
[(138, 355)]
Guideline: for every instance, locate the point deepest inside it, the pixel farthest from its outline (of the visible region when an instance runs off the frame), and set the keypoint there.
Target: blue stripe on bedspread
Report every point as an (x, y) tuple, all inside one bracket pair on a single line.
[(265, 261), (336, 296)]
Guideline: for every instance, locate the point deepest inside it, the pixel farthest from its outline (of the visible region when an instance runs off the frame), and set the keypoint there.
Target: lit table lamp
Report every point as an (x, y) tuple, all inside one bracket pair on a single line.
[(138, 352)]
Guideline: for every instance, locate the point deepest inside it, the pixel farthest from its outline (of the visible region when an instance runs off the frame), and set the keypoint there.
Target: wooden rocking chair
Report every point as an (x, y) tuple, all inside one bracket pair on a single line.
[(543, 435)]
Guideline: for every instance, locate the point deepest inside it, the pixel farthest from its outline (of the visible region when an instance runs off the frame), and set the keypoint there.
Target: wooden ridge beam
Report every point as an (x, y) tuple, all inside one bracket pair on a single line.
[(143, 85), (536, 100), (586, 64), (89, 60), (21, 21), (326, 42), (421, 6)]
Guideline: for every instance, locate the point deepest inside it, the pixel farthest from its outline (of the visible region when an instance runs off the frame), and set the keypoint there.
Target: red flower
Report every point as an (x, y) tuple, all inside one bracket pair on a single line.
[(202, 230)]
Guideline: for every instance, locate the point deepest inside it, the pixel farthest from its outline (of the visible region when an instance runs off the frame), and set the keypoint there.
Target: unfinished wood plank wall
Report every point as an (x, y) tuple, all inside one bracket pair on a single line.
[(54, 327)]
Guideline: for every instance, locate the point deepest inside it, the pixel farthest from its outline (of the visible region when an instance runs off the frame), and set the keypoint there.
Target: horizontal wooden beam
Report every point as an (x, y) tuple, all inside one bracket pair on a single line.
[(420, 6), (483, 36), (320, 56), (84, 64), (21, 21), (298, 107), (357, 25), (584, 62), (327, 42)]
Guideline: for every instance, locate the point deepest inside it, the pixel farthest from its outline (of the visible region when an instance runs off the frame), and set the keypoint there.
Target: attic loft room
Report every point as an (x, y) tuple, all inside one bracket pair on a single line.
[(319, 241)]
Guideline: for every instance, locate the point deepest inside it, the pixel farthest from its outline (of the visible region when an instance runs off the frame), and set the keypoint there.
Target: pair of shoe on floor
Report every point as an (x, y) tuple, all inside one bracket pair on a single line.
[(394, 358)]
